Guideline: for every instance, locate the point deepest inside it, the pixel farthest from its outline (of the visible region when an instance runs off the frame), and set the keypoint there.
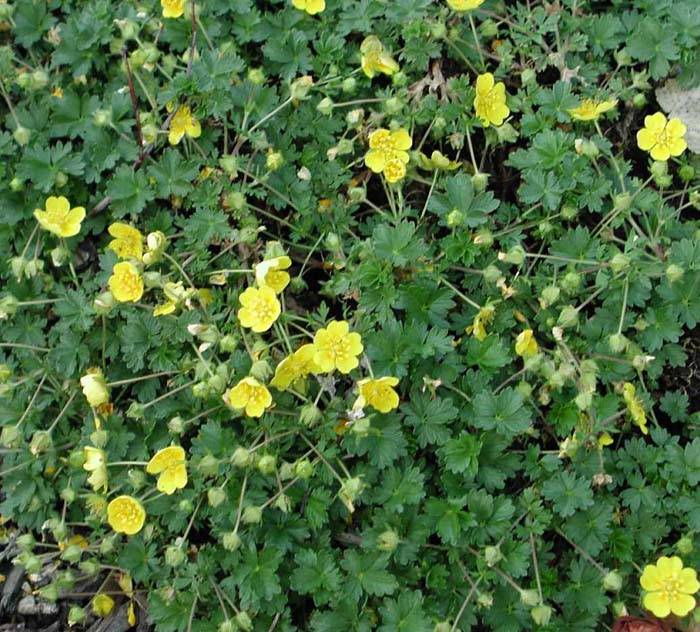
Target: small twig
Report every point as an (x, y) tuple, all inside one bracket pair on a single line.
[(134, 101), (193, 42)]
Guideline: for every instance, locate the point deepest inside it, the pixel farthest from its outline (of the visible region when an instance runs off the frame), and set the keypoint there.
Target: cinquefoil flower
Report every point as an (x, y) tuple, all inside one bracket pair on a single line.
[(662, 138), (183, 123), (171, 464), (590, 110), (336, 347), (483, 317), (388, 153), (312, 7), (464, 5), (126, 515), (635, 408), (271, 273), (59, 218), (295, 367), (378, 393), (95, 387), (250, 395), (126, 283), (96, 464), (127, 242), (173, 8), (259, 308), (525, 344), (669, 587), (375, 58), (490, 100)]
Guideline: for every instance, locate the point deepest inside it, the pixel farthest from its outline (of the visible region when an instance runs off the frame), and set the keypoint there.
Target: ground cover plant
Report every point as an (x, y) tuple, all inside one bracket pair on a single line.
[(332, 316)]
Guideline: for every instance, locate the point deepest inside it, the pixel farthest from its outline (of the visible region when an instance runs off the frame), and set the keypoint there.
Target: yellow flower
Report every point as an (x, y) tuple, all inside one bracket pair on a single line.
[(125, 514), (183, 123), (590, 110), (525, 344), (127, 242), (295, 367), (662, 138), (259, 308), (337, 348), (126, 283), (464, 5), (669, 587), (251, 395), (388, 153), (483, 318), (490, 100), (57, 92), (171, 464), (635, 408), (95, 388), (173, 8), (271, 273), (605, 440), (96, 463), (102, 604), (312, 7), (378, 393), (163, 309), (375, 58), (59, 218)]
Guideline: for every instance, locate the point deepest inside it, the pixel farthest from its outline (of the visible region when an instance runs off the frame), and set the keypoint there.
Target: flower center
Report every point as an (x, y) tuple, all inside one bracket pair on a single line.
[(128, 513), (262, 309), (672, 589), (130, 282)]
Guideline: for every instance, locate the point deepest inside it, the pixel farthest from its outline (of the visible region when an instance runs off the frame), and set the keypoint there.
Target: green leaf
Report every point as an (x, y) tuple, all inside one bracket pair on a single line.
[(568, 493), (505, 412), (429, 418), (315, 574)]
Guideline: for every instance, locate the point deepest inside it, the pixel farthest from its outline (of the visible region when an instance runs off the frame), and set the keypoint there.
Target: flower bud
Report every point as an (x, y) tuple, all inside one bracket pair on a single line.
[(300, 88), (283, 503), (243, 621), (72, 554), (492, 555), (612, 582), (438, 30), (541, 614), (231, 541), (685, 545), (137, 478), (350, 492), (528, 77), (639, 100), (185, 506), (361, 426), (215, 496), (303, 469), (617, 343), (507, 133), (568, 317), (388, 540), (349, 85), (256, 76), (674, 273), (22, 135), (480, 181), (8, 306), (174, 556), (571, 282), (529, 597), (176, 425), (393, 105), (619, 262), (102, 118), (488, 29), (90, 567), (686, 173), (241, 457), (325, 106), (309, 415), (227, 626), (208, 465), (59, 256), (515, 256), (274, 160), (99, 438), (455, 218), (267, 464), (11, 437), (261, 370), (104, 303), (41, 442), (252, 515), (26, 542), (76, 615), (483, 237), (68, 495)]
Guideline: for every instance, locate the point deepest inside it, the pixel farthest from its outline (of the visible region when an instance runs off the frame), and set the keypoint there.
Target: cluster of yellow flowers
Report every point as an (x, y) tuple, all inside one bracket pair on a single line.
[(126, 514)]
